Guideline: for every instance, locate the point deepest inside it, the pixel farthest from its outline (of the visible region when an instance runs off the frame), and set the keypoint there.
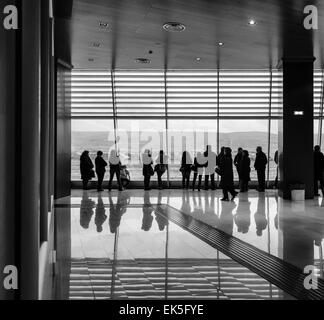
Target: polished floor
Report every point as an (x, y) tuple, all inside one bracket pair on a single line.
[(116, 246)]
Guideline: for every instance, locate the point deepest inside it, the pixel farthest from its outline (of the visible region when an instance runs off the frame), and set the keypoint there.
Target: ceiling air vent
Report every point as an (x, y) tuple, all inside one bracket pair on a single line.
[(174, 27), (143, 60)]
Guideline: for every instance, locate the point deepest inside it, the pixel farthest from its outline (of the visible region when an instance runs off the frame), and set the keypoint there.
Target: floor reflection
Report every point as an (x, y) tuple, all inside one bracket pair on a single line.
[(122, 249)]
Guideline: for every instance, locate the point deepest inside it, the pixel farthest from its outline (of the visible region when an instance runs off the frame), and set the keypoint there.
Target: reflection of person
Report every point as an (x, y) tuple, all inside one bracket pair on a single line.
[(185, 207), (226, 218), (100, 217), (210, 167), (147, 213), (261, 221), (116, 211), (242, 217), (86, 210), (148, 171), (318, 170), (86, 167), (101, 165), (260, 165), (114, 165), (185, 169)]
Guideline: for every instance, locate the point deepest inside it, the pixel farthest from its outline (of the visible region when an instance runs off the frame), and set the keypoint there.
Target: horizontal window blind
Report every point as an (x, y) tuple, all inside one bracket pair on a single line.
[(186, 94)]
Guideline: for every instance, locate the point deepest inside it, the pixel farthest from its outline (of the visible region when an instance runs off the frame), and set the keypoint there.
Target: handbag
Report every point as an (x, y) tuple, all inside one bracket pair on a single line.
[(218, 171)]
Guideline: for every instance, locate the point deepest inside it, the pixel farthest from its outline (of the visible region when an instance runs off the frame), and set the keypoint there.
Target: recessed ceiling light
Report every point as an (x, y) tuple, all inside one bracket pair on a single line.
[(103, 24), (174, 27), (252, 22), (143, 60), (220, 43), (198, 59)]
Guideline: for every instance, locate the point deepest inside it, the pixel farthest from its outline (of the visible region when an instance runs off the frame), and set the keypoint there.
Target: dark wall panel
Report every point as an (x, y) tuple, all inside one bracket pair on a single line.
[(7, 148), (63, 132)]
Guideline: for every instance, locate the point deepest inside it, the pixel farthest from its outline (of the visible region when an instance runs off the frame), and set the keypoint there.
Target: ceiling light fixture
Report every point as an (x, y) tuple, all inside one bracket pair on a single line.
[(143, 60), (96, 44), (103, 24), (220, 44), (91, 60), (252, 22), (198, 59), (174, 27)]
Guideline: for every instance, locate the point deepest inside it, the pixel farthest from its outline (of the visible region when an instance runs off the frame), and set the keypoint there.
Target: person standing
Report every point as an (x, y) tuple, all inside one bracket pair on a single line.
[(318, 170), (101, 165), (161, 167), (86, 167), (114, 166), (260, 165), (210, 167), (148, 171), (198, 168), (276, 160), (237, 164), (227, 176), (245, 170), (186, 164)]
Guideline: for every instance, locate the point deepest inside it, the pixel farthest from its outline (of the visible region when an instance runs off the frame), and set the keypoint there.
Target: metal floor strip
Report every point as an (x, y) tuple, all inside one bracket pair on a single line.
[(284, 275)]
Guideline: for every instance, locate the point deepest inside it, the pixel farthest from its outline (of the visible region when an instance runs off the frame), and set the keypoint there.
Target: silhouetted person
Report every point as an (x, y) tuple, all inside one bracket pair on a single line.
[(260, 165), (161, 167), (245, 170), (220, 156), (210, 167), (243, 216), (261, 221), (237, 164), (114, 166), (318, 170), (198, 169), (86, 167), (148, 171), (101, 165), (276, 160), (227, 176), (100, 217), (86, 210), (186, 165)]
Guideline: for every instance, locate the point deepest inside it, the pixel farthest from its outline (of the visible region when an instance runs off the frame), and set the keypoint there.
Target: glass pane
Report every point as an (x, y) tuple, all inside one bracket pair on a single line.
[(91, 135), (192, 136), (134, 136), (273, 148), (247, 134)]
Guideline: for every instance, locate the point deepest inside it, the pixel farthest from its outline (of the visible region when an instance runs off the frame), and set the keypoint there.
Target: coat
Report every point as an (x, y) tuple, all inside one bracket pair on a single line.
[(101, 165), (245, 169), (86, 167), (260, 161), (318, 164), (226, 170)]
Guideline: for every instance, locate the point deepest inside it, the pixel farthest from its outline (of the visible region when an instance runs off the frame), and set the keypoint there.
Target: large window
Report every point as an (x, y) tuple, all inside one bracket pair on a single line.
[(179, 110), (91, 135)]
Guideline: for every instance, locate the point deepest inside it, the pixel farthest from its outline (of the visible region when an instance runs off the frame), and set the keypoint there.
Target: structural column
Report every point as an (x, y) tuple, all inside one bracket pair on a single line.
[(296, 128)]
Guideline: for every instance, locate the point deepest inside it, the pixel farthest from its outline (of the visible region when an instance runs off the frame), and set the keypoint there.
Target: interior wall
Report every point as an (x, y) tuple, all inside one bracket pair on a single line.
[(7, 148), (63, 131)]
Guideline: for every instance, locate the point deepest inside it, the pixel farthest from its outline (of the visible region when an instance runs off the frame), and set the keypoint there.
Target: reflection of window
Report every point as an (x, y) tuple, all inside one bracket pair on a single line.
[(247, 134), (91, 135)]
